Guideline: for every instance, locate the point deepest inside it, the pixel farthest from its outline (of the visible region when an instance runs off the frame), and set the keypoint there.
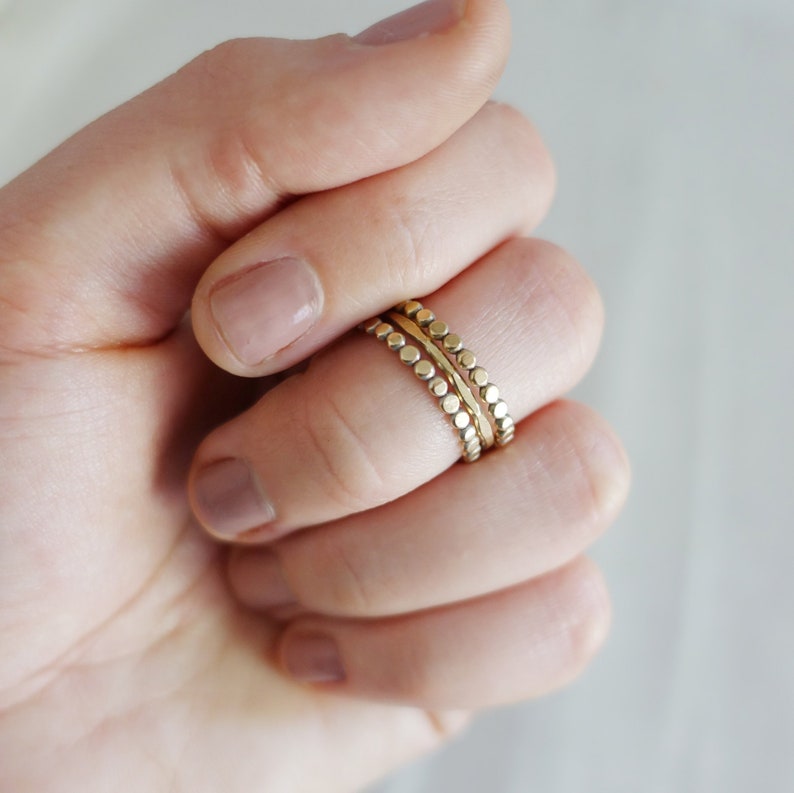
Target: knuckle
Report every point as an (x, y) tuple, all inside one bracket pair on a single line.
[(519, 139), (557, 304), (573, 302), (415, 678), (339, 583), (236, 166), (598, 469), (222, 61), (230, 165), (589, 615), (518, 131), (347, 470), (410, 239), (232, 160)]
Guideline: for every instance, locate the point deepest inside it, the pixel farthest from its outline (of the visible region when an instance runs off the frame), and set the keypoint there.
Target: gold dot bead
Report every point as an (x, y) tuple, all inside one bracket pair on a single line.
[(409, 355), (487, 410), (466, 359), (479, 377), (490, 394), (472, 451), (438, 387), (396, 341), (450, 404), (473, 445), (451, 373), (383, 330), (424, 370), (424, 317), (453, 343), (438, 330), (461, 420), (498, 410), (468, 434), (505, 430)]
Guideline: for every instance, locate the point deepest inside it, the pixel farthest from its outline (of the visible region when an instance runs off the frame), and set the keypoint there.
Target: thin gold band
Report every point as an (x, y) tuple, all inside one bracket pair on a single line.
[(465, 361), (464, 391), (448, 402), (475, 408)]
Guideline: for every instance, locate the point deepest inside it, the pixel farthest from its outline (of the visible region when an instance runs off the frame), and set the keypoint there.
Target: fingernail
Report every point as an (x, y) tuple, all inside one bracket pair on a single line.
[(258, 581), (228, 499), (266, 308), (433, 16), (312, 658)]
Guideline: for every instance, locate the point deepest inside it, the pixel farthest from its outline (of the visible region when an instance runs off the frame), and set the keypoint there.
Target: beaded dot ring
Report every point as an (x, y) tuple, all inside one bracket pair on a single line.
[(455, 379), (439, 358), (466, 361), (448, 402)]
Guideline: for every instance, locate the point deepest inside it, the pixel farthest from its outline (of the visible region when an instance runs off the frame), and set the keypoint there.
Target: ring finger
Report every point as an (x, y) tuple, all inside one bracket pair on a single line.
[(470, 532)]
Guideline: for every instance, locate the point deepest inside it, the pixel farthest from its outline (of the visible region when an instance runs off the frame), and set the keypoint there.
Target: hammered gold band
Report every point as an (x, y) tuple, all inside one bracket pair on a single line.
[(464, 392), (447, 400), (474, 404)]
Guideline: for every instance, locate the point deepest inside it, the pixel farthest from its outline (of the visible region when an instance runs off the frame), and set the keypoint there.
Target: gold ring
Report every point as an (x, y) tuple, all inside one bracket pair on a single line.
[(462, 388)]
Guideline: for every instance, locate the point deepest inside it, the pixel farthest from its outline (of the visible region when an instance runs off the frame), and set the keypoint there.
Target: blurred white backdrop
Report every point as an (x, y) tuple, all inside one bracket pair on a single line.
[(672, 124)]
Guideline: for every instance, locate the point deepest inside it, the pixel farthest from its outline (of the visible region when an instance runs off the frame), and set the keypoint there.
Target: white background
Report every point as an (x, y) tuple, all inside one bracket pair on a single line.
[(672, 123)]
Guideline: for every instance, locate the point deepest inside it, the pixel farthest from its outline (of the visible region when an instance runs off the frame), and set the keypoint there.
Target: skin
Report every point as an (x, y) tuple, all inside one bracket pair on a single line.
[(136, 646)]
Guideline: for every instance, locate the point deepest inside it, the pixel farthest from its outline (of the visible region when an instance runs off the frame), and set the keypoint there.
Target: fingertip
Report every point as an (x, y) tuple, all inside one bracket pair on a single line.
[(247, 320), (228, 500), (257, 580), (311, 657)]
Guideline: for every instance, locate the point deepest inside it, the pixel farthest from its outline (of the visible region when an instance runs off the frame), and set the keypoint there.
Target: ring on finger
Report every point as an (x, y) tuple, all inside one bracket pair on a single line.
[(462, 388)]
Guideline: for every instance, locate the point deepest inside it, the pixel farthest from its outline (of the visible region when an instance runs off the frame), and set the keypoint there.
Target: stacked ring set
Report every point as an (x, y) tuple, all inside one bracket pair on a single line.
[(461, 388)]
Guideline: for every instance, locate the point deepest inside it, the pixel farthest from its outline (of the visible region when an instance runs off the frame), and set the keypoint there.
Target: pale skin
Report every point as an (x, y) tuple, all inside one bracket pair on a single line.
[(368, 596)]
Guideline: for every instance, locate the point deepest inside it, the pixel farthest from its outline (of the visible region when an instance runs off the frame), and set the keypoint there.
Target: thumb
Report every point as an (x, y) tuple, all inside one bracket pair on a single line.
[(104, 240)]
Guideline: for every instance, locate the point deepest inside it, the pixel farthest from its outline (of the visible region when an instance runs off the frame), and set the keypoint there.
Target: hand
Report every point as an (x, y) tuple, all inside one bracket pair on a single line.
[(369, 570)]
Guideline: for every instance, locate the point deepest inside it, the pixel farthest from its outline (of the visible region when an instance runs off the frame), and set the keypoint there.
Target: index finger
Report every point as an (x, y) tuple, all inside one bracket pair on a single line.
[(103, 242)]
